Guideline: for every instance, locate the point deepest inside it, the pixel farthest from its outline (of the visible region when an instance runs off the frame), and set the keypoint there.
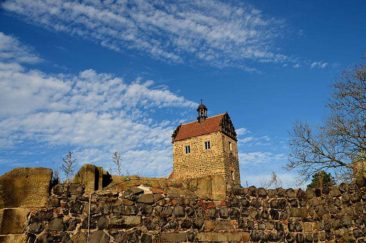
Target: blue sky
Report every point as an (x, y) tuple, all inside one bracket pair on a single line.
[(97, 77)]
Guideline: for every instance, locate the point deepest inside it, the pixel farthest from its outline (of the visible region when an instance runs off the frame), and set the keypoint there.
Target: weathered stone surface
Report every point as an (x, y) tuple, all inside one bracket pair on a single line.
[(76, 189), (221, 225), (25, 187), (262, 192), (178, 211), (132, 193), (255, 215), (291, 193), (57, 224), (13, 238), (124, 221), (92, 177), (13, 220), (146, 238), (224, 236), (174, 237), (99, 236), (80, 237), (146, 198), (218, 160)]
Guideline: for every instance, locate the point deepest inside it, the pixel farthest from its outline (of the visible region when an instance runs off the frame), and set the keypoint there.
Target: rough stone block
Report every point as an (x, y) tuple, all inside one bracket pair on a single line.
[(124, 221), (13, 238), (25, 187), (99, 237), (56, 224), (298, 212), (92, 177), (13, 220), (174, 237), (224, 236), (178, 211), (308, 227), (80, 237), (220, 225), (146, 198)]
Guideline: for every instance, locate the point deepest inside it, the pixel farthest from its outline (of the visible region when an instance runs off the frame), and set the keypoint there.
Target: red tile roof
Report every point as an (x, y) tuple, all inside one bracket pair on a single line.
[(194, 129)]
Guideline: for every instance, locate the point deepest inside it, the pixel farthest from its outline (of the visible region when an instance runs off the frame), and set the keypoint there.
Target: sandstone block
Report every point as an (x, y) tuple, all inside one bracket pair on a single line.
[(13, 238), (131, 220), (13, 220), (146, 198), (56, 224), (178, 211), (174, 237), (223, 236), (92, 177), (99, 237), (262, 192), (80, 237), (132, 193), (291, 193), (25, 187)]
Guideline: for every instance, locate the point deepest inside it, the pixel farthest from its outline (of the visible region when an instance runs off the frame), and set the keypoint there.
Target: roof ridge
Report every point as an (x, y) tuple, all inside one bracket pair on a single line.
[(221, 114)]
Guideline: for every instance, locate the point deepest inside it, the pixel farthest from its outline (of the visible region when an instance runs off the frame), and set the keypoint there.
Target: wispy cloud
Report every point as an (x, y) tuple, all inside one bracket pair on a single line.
[(12, 50), (261, 157), (247, 138), (319, 64), (217, 32), (93, 113)]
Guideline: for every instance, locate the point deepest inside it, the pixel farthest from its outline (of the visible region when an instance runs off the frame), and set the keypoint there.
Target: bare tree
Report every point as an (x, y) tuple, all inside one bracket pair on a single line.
[(274, 181), (68, 164), (341, 140), (116, 158)]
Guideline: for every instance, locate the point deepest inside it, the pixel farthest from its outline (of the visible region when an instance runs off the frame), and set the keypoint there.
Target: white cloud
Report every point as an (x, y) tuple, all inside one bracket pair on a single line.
[(319, 64), (216, 32), (245, 137), (93, 113), (11, 50), (260, 157), (241, 131)]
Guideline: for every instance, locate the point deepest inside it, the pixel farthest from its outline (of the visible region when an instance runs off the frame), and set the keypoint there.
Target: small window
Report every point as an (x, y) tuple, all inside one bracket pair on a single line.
[(188, 149), (207, 145), (233, 175), (230, 146)]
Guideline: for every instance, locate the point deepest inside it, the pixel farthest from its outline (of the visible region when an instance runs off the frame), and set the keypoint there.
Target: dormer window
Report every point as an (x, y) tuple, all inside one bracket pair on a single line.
[(188, 149), (207, 145)]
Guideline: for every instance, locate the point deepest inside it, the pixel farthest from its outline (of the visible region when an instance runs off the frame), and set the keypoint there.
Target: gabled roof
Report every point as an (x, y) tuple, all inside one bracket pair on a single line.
[(209, 125)]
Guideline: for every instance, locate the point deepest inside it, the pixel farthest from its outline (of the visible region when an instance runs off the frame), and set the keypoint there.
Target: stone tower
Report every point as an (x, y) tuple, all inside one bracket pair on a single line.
[(206, 147)]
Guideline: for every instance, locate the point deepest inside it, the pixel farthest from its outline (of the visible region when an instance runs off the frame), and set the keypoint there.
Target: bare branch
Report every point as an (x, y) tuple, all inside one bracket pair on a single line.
[(342, 138)]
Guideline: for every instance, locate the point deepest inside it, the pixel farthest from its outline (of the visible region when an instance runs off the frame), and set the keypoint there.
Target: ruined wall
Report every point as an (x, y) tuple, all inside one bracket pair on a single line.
[(201, 162), (248, 215), (21, 190)]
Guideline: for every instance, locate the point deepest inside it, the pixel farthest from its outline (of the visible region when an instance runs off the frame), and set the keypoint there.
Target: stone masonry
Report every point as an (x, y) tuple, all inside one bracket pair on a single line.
[(66, 213), (336, 214), (218, 160), (193, 158)]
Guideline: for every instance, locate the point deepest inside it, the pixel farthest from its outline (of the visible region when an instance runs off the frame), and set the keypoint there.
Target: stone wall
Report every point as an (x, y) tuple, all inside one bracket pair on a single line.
[(359, 171), (250, 214), (21, 190), (92, 177), (231, 160), (25, 187), (201, 162)]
